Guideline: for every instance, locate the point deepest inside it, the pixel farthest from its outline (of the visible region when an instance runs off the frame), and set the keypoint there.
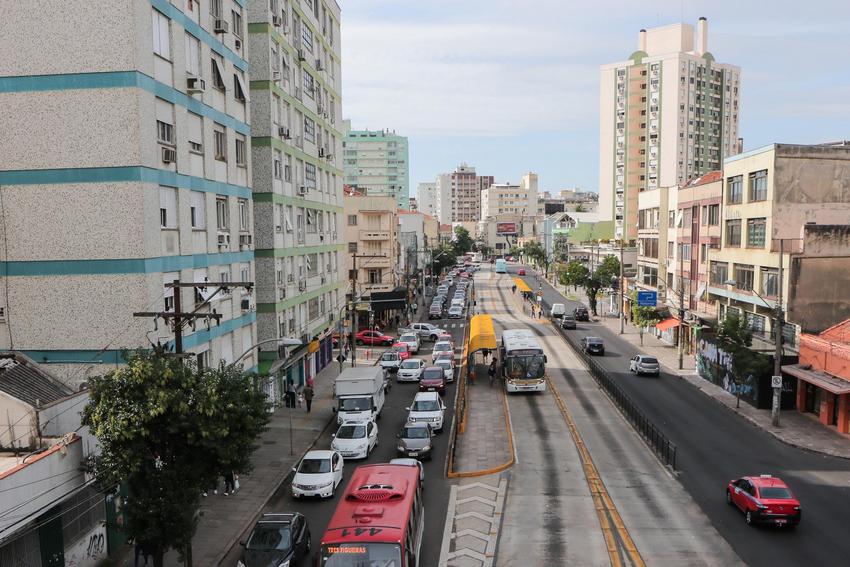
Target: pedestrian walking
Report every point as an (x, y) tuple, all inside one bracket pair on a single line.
[(539, 312), (308, 396), (397, 320), (491, 372), (142, 549), (290, 394), (229, 483)]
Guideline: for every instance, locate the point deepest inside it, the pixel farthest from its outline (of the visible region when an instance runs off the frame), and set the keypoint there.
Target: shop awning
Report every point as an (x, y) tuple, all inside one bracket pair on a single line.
[(481, 333), (822, 380), (521, 285), (667, 324)]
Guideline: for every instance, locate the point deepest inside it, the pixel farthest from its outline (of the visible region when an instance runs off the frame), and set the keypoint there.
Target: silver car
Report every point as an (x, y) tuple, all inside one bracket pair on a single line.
[(643, 364)]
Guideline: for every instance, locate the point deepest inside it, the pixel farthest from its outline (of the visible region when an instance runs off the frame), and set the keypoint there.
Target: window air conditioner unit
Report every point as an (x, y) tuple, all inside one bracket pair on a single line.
[(238, 44), (302, 189), (290, 278), (321, 152), (283, 132), (224, 239), (169, 155), (302, 286), (245, 240), (275, 76), (278, 228), (301, 56), (247, 304), (195, 85), (319, 65), (221, 26), (276, 20)]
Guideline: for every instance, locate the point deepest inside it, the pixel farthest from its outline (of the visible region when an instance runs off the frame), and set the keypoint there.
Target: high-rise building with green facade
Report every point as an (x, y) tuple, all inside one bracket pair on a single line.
[(377, 162)]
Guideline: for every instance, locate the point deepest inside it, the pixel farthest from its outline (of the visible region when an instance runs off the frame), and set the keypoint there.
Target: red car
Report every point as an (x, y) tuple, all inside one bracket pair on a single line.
[(373, 338), (764, 499), (403, 350), (520, 272), (432, 378)]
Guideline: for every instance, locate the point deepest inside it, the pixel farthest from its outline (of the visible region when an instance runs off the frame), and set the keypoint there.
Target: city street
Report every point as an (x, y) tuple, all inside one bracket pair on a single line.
[(393, 417), (715, 446)]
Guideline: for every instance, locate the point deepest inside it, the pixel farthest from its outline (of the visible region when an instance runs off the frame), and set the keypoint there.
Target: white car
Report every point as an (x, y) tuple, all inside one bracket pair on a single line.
[(409, 462), (643, 364), (428, 408), (355, 440), (448, 368), (318, 474), (441, 347), (411, 340), (455, 312), (410, 370)]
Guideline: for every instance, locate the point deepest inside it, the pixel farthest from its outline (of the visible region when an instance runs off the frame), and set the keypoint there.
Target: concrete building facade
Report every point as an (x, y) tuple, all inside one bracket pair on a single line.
[(296, 146), (371, 229), (667, 114), (124, 165), (377, 162), (426, 198)]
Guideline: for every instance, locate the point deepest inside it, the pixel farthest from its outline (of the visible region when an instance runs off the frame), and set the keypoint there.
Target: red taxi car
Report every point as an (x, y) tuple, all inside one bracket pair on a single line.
[(764, 499), (373, 338), (403, 350), (520, 272)]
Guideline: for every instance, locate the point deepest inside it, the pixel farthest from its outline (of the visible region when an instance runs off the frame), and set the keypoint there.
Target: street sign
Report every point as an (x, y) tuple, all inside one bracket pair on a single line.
[(776, 381), (647, 298)]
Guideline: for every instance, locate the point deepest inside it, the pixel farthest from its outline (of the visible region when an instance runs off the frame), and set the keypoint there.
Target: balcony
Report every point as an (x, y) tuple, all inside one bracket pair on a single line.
[(367, 235)]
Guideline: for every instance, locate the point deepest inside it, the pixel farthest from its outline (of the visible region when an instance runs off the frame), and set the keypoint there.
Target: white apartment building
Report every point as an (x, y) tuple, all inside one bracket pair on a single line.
[(376, 162), (443, 198), (458, 195), (298, 184), (667, 114), (124, 165), (426, 198), (501, 198)]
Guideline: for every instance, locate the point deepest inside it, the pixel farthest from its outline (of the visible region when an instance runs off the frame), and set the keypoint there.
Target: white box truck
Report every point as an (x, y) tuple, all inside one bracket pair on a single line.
[(359, 394)]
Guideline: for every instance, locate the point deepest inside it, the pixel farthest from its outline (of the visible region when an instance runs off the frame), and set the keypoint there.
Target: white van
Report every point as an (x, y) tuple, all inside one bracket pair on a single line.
[(558, 310)]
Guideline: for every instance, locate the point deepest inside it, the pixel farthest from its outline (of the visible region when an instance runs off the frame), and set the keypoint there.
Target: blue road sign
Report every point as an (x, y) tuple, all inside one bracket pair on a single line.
[(647, 298)]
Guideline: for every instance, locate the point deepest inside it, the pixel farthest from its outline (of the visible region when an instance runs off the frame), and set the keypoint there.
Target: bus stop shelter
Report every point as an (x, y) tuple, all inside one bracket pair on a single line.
[(523, 287), (481, 334)]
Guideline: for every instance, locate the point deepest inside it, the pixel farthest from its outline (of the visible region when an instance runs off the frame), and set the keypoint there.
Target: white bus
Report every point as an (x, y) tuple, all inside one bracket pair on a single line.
[(523, 361)]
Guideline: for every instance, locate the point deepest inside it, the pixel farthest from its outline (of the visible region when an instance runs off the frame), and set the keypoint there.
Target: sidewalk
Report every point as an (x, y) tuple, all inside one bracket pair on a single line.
[(797, 429)]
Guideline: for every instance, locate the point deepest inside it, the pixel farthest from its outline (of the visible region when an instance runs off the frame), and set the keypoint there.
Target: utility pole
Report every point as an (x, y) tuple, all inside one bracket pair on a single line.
[(354, 298), (777, 355), (621, 295), (681, 303)]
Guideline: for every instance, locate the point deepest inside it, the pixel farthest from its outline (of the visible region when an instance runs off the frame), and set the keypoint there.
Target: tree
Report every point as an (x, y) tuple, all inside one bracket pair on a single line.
[(483, 249), (575, 274), (603, 276), (170, 431), (643, 316), (462, 241), (444, 257), (580, 208), (735, 337)]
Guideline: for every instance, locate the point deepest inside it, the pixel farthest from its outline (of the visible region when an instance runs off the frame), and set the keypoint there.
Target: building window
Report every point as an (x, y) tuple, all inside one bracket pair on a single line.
[(352, 247), (193, 55), (307, 83), (220, 139), (758, 185), (733, 232), (217, 66), (215, 9), (310, 175), (352, 220), (306, 38), (313, 308), (713, 215), (374, 276), (240, 91), (735, 190), (312, 264), (164, 133), (311, 221), (197, 210), (770, 282), (161, 35), (221, 213), (244, 214), (241, 151), (237, 23), (167, 207), (719, 274), (309, 130), (744, 276), (755, 232), (278, 165)]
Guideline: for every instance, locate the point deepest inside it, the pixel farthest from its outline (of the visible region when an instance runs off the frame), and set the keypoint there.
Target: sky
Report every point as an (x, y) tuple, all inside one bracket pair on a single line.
[(513, 86)]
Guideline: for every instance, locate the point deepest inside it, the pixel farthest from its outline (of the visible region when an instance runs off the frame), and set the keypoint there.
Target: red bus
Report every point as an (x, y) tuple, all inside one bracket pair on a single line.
[(379, 520)]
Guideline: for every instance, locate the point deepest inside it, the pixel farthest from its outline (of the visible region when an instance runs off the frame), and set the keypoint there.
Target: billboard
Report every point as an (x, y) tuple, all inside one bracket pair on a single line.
[(506, 228)]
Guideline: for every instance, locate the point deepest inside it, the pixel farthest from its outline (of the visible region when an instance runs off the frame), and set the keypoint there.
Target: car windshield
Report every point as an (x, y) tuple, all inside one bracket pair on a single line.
[(351, 432), (315, 466), (443, 363), (389, 356), (425, 405), (410, 364), (269, 537), (415, 433), (361, 555), (455, 309), (408, 338), (354, 404), (648, 360), (777, 492), (593, 341), (442, 346), (432, 374)]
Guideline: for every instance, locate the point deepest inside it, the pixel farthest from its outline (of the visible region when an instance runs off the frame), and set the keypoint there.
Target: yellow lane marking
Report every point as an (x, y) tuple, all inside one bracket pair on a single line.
[(605, 507)]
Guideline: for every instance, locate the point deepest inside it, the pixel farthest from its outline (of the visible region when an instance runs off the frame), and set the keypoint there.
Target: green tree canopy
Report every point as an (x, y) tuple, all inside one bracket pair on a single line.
[(735, 337), (444, 257), (601, 277), (462, 241), (643, 316), (170, 432), (575, 274)]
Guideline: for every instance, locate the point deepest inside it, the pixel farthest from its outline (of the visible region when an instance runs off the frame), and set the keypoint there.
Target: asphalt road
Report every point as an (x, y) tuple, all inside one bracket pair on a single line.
[(393, 417), (715, 445)]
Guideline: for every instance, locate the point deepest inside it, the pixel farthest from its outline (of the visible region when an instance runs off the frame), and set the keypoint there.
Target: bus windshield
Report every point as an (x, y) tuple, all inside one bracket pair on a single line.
[(361, 555), (524, 367)]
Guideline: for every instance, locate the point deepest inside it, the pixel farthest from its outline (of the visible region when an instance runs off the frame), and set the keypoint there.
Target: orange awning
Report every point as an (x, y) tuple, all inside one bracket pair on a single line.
[(667, 324)]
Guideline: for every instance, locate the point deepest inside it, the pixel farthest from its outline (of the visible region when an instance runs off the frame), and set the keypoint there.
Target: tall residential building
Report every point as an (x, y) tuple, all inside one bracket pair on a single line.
[(443, 198), (668, 114), (376, 162), (297, 148), (458, 194), (124, 165), (371, 230), (501, 198), (426, 198)]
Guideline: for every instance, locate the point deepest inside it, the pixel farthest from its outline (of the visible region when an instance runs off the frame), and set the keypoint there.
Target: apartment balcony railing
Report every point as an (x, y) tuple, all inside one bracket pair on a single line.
[(371, 235)]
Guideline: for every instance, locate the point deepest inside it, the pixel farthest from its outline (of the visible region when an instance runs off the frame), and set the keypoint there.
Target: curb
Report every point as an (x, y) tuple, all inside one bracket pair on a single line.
[(504, 466)]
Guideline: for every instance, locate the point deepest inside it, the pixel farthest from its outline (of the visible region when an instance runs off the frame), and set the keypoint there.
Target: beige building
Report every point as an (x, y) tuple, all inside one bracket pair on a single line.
[(457, 195), (771, 194), (668, 113), (373, 252)]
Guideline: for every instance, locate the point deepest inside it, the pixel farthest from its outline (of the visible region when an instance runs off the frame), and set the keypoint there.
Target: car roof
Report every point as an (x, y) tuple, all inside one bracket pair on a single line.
[(277, 517), (767, 481), (419, 424), (319, 454), (426, 396), (593, 339), (442, 343), (432, 367)]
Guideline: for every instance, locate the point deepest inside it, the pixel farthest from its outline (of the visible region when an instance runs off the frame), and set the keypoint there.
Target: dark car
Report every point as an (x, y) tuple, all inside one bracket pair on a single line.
[(433, 378), (415, 441), (581, 314), (568, 322), (593, 345), (277, 539)]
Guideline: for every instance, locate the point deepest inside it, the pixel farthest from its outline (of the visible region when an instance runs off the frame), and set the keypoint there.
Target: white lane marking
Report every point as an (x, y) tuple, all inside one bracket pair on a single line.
[(447, 528)]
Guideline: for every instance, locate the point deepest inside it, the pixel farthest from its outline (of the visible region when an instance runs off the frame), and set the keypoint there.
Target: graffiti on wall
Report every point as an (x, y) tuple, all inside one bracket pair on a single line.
[(89, 550)]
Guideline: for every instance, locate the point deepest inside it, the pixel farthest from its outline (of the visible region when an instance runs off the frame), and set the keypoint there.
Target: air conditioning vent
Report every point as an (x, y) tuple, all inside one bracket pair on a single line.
[(302, 189), (290, 278), (223, 239), (169, 155), (283, 132), (301, 56), (245, 240), (247, 304), (302, 285), (275, 76), (321, 152), (276, 20), (221, 26), (238, 44), (278, 228), (195, 85)]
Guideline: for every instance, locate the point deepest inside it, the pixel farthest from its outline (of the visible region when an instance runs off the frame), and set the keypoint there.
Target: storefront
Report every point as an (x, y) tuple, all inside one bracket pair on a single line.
[(668, 330), (823, 395)]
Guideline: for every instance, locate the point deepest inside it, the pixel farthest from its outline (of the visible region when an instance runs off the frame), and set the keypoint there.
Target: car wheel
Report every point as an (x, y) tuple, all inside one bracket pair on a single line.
[(729, 498), (749, 518)]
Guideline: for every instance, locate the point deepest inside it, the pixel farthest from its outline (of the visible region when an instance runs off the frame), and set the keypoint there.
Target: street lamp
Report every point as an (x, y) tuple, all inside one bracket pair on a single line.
[(777, 355)]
